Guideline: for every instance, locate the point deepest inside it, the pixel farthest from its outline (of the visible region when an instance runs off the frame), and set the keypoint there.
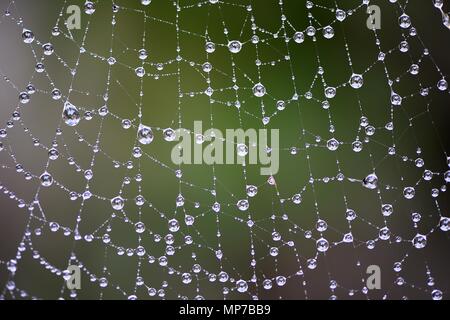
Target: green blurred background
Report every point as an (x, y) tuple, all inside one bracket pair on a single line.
[(421, 122)]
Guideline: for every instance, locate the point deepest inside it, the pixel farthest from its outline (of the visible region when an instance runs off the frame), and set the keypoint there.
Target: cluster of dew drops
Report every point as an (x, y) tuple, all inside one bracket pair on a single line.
[(71, 116)]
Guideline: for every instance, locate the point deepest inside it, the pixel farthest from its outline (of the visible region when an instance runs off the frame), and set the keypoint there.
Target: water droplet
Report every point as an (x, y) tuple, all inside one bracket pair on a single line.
[(273, 251), (404, 21), (340, 15), (143, 54), (169, 134), (89, 7), (56, 94), (384, 234), (242, 150), (330, 92), (189, 220), (54, 226), (12, 265), (322, 245), (251, 190), (243, 205), (241, 286), (371, 181), (332, 144), (174, 225), (420, 241), (356, 81), (350, 215), (179, 201), (112, 61), (311, 31), (24, 97), (387, 210), (409, 192), (416, 217), (140, 72), (103, 282), (46, 179), (442, 85), (53, 154), (27, 36), (414, 69), (88, 175), (259, 90), (357, 146), (207, 67), (234, 46), (48, 49), (321, 226), (396, 100), (348, 238), (216, 207), (118, 203), (145, 135), (210, 47), (328, 32), (297, 198), (436, 294), (444, 224), (267, 284), (281, 105), (139, 227), (71, 116), (280, 280), (126, 124), (299, 37), (186, 278)]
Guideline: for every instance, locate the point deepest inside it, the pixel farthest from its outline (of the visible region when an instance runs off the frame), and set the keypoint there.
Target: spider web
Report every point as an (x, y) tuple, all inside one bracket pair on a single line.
[(363, 151)]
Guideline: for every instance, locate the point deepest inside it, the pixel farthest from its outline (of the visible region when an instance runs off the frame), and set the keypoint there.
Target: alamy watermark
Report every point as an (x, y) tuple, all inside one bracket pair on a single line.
[(233, 147)]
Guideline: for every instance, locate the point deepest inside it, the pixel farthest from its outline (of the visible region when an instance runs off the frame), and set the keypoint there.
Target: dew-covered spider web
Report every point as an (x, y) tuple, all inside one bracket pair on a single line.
[(89, 119)]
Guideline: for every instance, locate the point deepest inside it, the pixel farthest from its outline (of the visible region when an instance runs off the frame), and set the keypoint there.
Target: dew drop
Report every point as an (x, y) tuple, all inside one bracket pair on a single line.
[(420, 241), (71, 115), (243, 205), (259, 90), (234, 46), (27, 36), (356, 81), (117, 203)]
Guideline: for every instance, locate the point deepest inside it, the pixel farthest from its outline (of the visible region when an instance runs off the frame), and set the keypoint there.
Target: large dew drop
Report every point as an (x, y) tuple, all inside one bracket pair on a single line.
[(419, 241), (46, 179), (241, 286), (234, 46), (356, 81), (118, 203), (89, 7), (259, 90), (145, 134), (243, 205), (71, 115), (322, 245), (27, 36)]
